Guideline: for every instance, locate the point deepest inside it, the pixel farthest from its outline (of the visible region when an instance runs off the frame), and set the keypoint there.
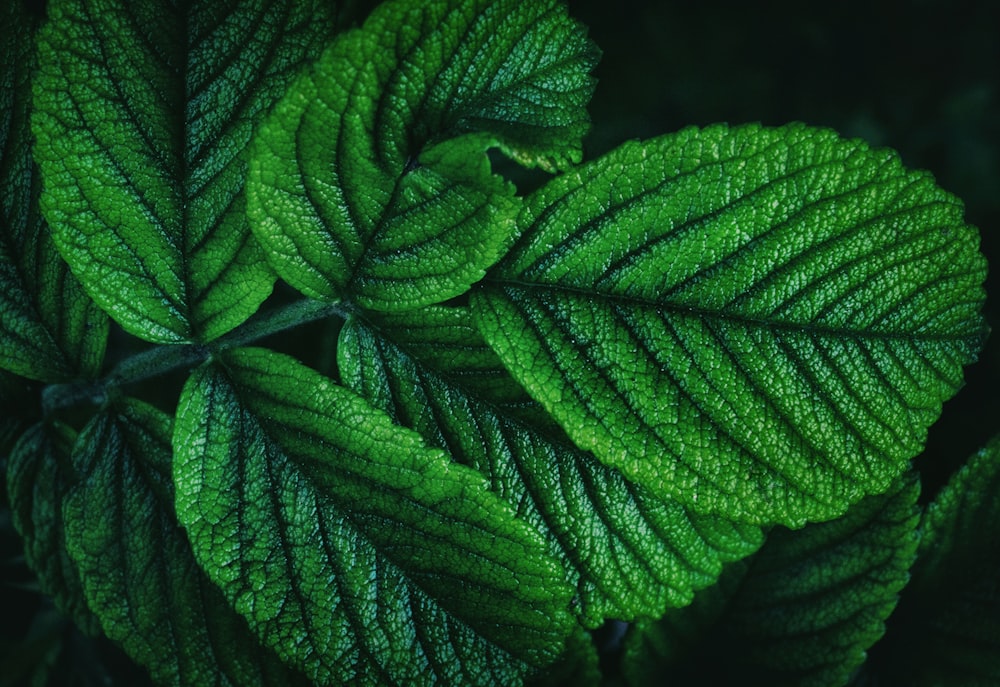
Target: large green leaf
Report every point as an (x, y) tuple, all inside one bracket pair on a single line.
[(757, 322), (359, 554), (947, 628), (629, 553), (49, 329), (803, 611), (137, 567), (143, 113), (39, 476), (370, 180)]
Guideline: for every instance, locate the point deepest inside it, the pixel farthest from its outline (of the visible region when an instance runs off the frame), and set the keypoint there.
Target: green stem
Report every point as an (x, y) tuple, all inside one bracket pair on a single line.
[(163, 359)]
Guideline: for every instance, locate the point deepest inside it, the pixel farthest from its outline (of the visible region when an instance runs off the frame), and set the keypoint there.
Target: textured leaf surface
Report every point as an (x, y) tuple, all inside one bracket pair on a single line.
[(143, 113), (357, 552), (370, 180), (49, 329), (38, 478), (629, 553), (947, 628), (138, 570), (758, 322), (802, 612)]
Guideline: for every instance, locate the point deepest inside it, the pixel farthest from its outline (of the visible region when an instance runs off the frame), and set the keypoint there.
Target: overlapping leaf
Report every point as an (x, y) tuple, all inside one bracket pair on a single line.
[(138, 571), (628, 553), (370, 181), (143, 113), (758, 322), (359, 554), (802, 612), (947, 628), (38, 479), (49, 329)]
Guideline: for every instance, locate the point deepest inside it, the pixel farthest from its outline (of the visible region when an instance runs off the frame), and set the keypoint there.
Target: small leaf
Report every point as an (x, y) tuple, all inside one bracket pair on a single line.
[(137, 567), (947, 628), (359, 554), (49, 329), (370, 180), (38, 478), (760, 323), (628, 553), (803, 611), (143, 113)]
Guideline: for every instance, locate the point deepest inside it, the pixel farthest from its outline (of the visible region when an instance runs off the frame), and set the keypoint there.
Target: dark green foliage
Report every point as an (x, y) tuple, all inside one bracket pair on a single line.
[(554, 421)]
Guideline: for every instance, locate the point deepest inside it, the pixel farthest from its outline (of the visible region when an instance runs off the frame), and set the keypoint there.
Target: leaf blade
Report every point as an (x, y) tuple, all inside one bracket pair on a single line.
[(371, 181), (138, 571), (49, 330), (395, 567), (713, 279), (143, 114)]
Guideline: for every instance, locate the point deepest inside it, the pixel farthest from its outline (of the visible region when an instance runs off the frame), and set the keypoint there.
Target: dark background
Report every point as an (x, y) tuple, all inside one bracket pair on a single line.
[(922, 77)]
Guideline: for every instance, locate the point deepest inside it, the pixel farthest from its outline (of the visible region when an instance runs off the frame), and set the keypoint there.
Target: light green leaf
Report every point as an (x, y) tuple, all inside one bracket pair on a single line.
[(38, 477), (803, 611), (49, 329), (628, 553), (947, 628), (758, 322), (370, 180), (143, 113), (137, 567), (359, 554)]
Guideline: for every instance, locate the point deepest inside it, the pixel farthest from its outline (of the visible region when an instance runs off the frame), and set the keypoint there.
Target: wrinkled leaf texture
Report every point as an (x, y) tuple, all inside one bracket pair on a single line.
[(354, 550), (760, 323), (143, 112)]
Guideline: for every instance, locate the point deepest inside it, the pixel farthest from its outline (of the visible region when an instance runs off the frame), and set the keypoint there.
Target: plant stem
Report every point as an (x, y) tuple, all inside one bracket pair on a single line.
[(163, 359)]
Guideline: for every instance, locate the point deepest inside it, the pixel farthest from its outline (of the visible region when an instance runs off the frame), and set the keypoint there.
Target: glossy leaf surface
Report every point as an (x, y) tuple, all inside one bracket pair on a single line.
[(143, 113), (760, 323), (370, 181), (355, 551)]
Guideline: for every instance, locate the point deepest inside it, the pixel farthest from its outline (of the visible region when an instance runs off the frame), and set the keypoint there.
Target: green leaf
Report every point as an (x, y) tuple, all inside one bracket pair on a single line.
[(138, 570), (947, 628), (38, 478), (803, 611), (359, 554), (370, 180), (143, 114), (49, 329), (628, 553), (758, 322)]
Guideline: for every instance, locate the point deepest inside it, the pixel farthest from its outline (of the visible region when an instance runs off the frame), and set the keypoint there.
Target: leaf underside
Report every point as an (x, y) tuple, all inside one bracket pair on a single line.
[(760, 323), (352, 549), (142, 117)]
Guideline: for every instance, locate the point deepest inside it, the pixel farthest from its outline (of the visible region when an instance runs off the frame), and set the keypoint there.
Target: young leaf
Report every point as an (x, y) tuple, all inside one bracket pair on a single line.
[(358, 553), (370, 180), (947, 628), (49, 329), (760, 323), (143, 113), (629, 553), (803, 610), (137, 567), (38, 478)]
